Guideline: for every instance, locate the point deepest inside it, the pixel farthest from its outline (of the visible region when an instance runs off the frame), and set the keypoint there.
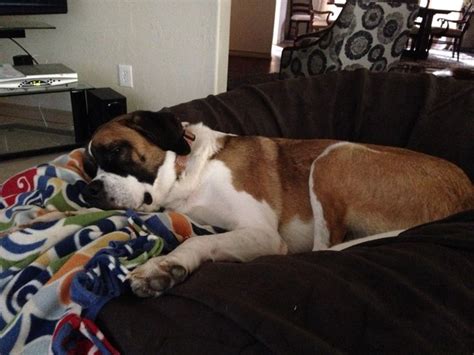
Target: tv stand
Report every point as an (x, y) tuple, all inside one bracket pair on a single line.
[(16, 29), (80, 123)]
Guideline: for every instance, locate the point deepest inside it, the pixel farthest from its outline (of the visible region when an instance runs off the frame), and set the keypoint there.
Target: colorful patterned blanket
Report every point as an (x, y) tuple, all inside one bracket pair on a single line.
[(60, 261)]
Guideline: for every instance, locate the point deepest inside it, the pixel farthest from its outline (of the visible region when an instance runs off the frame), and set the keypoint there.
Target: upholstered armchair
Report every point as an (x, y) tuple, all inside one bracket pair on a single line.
[(369, 34)]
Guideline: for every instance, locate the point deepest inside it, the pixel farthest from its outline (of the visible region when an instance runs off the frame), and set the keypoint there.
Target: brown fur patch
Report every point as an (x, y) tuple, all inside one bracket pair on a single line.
[(368, 191)]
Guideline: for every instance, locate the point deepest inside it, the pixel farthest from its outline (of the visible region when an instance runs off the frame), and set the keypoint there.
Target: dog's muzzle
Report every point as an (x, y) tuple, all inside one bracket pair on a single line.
[(94, 194)]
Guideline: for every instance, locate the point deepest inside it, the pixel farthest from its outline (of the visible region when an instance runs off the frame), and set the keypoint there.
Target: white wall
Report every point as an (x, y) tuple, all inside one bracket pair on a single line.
[(447, 5), (178, 48), (279, 26), (251, 27)]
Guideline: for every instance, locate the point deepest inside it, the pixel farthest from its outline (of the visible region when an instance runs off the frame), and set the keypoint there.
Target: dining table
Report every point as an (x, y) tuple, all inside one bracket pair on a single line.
[(422, 39)]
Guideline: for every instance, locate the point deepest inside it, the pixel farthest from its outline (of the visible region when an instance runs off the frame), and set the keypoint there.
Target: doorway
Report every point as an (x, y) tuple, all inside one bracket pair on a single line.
[(251, 39)]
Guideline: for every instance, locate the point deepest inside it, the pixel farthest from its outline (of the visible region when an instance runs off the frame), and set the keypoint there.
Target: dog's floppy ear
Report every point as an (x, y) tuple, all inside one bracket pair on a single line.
[(162, 129)]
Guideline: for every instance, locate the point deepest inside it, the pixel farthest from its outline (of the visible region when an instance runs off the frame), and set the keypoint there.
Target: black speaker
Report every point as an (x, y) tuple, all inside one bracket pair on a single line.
[(102, 105)]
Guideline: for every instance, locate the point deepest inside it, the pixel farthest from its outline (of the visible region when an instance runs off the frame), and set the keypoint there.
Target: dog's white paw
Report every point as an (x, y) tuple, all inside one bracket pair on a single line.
[(155, 276)]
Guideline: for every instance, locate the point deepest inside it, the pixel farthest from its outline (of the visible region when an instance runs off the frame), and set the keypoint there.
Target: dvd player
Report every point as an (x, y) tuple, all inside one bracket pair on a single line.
[(33, 76)]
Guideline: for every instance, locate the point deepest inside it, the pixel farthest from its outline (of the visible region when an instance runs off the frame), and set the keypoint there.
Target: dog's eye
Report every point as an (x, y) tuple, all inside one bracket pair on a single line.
[(116, 150)]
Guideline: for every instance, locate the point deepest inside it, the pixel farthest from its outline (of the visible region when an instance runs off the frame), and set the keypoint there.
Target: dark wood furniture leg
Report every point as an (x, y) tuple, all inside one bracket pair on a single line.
[(79, 115), (422, 42)]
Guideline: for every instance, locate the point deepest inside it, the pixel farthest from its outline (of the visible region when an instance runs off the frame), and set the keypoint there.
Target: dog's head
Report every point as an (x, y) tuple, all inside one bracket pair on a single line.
[(132, 160)]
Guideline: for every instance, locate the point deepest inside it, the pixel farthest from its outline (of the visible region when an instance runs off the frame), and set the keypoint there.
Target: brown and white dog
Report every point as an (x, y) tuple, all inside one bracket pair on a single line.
[(274, 196)]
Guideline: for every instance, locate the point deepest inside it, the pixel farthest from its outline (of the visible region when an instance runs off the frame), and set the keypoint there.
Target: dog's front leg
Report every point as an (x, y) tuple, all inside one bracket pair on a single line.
[(163, 272)]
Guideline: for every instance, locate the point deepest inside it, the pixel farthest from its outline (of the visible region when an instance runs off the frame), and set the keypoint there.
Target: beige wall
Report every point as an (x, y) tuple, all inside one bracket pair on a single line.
[(178, 48), (251, 27)]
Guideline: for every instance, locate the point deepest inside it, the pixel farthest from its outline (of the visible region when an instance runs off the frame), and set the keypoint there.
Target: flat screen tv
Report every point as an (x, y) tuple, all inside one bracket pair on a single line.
[(32, 7)]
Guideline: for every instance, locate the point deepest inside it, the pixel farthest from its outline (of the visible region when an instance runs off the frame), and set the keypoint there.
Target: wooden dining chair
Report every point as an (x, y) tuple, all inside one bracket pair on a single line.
[(319, 27), (301, 12), (453, 30), (425, 3), (321, 20)]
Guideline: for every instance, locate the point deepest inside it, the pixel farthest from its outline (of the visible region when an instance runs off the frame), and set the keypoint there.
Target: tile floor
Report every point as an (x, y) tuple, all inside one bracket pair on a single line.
[(18, 139), (29, 128)]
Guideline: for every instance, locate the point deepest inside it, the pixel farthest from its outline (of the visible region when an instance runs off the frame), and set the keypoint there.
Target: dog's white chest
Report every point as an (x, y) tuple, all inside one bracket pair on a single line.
[(216, 201)]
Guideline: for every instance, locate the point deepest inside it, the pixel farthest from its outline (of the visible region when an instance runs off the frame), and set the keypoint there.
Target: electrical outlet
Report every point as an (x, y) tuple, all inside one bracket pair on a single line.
[(125, 75)]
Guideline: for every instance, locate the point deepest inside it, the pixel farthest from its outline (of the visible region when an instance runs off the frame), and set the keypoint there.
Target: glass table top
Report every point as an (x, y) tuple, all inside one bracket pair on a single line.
[(45, 89)]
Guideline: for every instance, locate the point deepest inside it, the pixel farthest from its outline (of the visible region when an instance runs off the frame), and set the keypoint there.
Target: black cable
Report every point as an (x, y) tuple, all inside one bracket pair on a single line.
[(19, 45)]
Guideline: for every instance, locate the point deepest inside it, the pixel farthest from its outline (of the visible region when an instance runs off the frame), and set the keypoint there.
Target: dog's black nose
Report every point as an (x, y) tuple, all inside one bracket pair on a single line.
[(95, 188), (93, 191)]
